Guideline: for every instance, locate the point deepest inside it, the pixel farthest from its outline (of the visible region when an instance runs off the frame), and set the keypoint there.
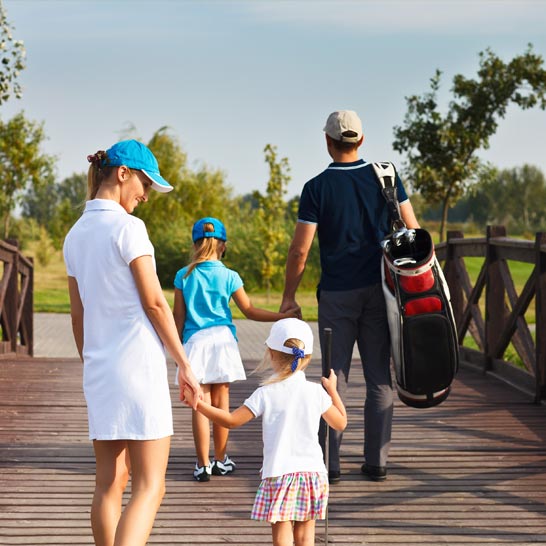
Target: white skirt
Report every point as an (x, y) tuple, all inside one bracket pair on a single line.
[(214, 356)]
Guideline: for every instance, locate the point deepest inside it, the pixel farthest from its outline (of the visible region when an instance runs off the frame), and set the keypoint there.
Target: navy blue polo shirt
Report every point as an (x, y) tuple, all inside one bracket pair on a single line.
[(346, 203)]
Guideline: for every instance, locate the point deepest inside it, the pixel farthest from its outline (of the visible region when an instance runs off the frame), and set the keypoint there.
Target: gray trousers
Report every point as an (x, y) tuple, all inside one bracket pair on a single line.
[(360, 316)]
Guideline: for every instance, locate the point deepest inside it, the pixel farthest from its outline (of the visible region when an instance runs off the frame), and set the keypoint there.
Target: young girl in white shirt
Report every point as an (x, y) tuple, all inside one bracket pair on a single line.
[(293, 492)]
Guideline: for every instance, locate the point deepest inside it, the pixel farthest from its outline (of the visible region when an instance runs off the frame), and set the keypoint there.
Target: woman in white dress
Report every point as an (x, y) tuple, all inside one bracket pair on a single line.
[(122, 325)]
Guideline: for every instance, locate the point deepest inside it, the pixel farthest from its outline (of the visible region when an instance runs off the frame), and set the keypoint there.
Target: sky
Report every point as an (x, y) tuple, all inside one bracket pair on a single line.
[(229, 77)]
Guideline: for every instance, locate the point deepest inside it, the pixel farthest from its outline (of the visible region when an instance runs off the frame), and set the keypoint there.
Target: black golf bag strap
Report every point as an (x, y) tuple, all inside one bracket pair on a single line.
[(386, 178)]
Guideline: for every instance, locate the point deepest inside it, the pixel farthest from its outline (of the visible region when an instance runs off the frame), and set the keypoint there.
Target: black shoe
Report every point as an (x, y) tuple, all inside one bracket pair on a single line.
[(334, 476), (374, 473), (221, 468)]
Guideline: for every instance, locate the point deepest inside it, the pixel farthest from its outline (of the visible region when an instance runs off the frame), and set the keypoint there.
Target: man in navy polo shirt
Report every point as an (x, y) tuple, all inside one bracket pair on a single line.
[(344, 205)]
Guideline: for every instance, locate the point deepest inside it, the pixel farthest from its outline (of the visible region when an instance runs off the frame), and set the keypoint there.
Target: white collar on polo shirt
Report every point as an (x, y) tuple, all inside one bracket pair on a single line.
[(103, 204)]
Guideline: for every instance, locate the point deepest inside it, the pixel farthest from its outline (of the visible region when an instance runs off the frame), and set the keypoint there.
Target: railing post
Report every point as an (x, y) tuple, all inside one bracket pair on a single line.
[(494, 295), (10, 302), (26, 309), (540, 315), (450, 273)]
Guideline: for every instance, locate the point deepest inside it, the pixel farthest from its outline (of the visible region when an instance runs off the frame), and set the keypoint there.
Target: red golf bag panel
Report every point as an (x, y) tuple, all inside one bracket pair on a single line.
[(423, 334)]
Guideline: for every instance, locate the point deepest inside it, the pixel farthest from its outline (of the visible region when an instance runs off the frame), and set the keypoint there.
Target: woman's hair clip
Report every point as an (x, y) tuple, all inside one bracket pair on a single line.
[(298, 353), (97, 158)]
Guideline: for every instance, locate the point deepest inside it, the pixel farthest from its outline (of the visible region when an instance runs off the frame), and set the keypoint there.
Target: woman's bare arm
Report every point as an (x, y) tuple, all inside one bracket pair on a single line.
[(158, 311)]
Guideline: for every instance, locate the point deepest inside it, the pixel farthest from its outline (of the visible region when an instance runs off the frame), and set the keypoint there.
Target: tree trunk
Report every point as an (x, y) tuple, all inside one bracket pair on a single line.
[(443, 224), (6, 225)]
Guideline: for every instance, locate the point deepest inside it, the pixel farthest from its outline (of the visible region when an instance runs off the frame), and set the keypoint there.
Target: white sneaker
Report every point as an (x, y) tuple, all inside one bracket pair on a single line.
[(221, 468)]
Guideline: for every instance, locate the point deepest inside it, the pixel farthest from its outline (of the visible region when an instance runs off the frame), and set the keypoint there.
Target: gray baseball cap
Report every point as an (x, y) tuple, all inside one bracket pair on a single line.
[(344, 125)]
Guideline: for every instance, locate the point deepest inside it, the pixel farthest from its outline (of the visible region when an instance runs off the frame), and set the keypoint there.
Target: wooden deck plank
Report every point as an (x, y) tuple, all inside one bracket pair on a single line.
[(469, 472)]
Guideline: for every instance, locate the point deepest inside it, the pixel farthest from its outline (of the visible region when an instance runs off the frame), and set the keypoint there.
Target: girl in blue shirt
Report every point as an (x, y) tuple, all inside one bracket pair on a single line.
[(202, 293)]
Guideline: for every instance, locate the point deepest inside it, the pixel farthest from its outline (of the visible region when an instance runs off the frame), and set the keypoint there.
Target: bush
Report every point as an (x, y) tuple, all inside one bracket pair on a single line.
[(24, 231), (172, 251), (44, 248)]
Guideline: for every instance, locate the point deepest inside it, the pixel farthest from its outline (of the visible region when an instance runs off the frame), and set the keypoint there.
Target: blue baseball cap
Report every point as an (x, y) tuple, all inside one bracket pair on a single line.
[(198, 231), (135, 155)]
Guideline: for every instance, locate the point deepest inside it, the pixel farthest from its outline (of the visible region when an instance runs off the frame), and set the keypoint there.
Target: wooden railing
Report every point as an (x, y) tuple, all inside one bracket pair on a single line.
[(489, 309), (503, 320), (16, 297)]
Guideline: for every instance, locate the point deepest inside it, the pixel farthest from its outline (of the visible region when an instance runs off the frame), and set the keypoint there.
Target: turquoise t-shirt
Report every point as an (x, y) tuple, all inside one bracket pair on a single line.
[(207, 291)]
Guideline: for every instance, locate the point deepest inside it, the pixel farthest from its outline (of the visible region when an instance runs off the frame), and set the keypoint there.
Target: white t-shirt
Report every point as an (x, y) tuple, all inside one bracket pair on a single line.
[(125, 374), (290, 411)]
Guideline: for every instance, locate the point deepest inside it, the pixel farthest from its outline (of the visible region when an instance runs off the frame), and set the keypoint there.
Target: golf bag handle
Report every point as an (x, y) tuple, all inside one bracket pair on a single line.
[(386, 178)]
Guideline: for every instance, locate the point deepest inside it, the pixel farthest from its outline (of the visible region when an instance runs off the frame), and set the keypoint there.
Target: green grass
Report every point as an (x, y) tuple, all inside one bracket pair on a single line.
[(51, 301), (50, 285)]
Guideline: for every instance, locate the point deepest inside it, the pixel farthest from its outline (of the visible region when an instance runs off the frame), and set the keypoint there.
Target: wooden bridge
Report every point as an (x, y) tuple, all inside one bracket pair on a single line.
[(470, 471)]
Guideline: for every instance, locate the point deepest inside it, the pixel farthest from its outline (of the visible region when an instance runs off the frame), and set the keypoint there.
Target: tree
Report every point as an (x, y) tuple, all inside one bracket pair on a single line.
[(12, 57), (40, 202), (71, 193), (56, 206), (168, 218), (22, 163), (514, 198), (442, 161), (271, 216)]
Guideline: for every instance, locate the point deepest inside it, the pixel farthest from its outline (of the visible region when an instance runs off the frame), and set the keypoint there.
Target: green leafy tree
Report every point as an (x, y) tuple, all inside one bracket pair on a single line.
[(271, 215), (441, 148), (244, 244), (71, 202), (197, 193), (514, 198), (40, 202), (12, 59), (169, 218), (22, 163), (56, 206), (73, 190)]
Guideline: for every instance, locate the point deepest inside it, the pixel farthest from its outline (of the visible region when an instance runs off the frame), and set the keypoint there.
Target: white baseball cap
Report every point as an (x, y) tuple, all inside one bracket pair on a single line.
[(290, 328), (344, 125)]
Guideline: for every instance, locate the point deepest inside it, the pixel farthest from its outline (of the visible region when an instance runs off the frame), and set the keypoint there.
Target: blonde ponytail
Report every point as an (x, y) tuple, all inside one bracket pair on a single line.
[(204, 249), (284, 362)]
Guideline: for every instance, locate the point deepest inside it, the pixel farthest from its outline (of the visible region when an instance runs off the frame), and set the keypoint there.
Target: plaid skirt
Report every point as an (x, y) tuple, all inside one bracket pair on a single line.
[(300, 496)]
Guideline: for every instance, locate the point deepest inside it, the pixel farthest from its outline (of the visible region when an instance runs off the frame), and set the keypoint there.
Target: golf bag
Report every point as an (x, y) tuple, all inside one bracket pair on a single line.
[(421, 323)]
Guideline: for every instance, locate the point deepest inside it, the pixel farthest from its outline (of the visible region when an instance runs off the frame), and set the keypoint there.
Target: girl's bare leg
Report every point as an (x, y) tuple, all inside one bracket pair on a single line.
[(201, 430), (112, 474), (304, 533), (149, 460), (283, 534), (219, 396)]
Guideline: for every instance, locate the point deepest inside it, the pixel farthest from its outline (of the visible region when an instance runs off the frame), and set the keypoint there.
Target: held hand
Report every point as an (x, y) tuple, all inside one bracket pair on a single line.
[(187, 396), (291, 308), (330, 382), (187, 382), (294, 312)]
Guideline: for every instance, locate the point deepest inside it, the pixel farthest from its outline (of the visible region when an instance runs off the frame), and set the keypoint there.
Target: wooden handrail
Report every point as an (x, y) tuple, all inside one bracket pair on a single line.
[(16, 301), (504, 319)]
